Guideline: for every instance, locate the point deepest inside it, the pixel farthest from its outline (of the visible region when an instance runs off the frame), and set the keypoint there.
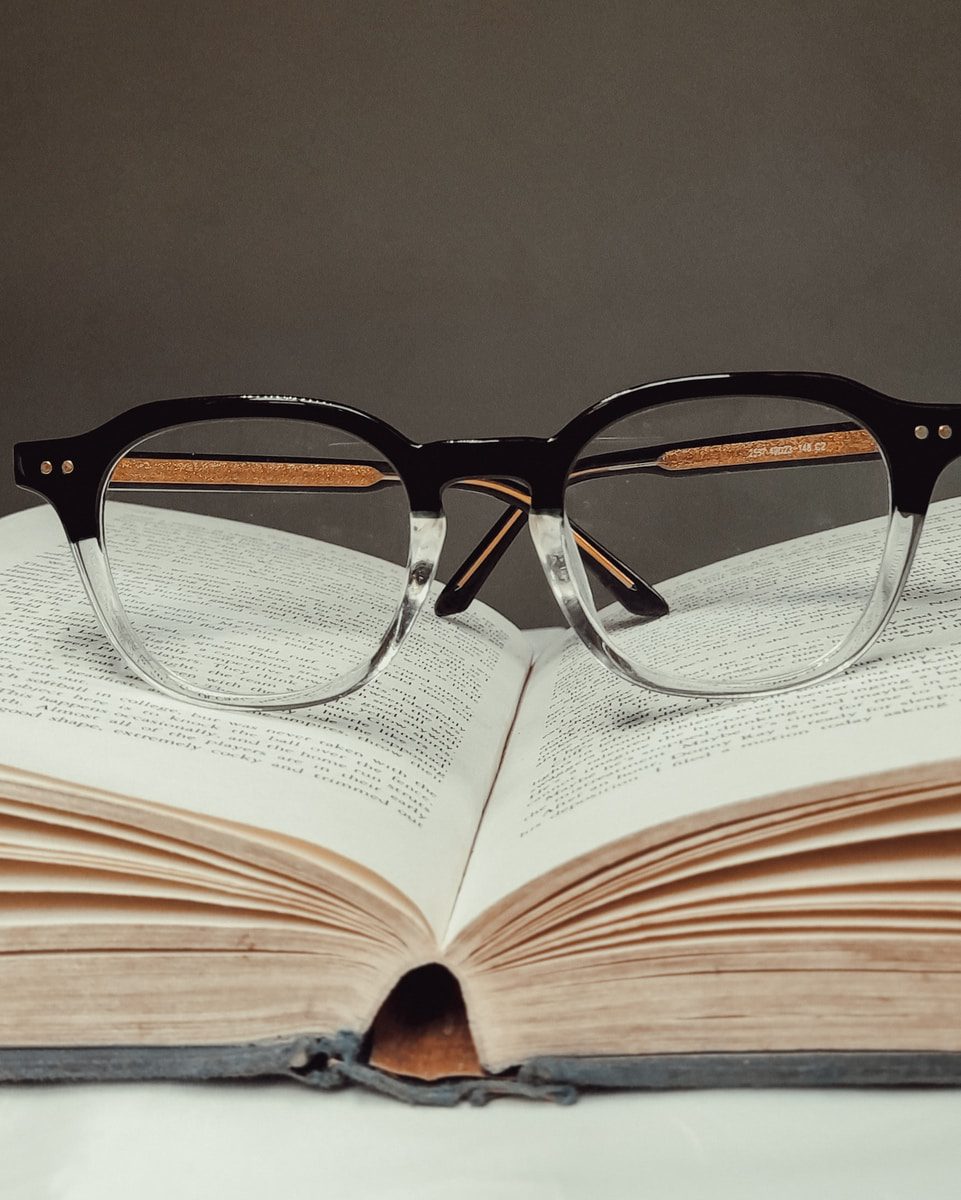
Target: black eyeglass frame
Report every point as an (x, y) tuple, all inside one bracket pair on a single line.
[(916, 440)]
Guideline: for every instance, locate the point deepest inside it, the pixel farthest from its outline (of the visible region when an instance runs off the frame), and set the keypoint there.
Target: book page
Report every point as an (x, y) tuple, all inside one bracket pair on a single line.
[(393, 777), (594, 758)]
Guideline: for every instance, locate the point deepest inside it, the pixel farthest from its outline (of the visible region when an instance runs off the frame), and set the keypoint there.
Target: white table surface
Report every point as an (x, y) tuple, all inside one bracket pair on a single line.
[(276, 1140)]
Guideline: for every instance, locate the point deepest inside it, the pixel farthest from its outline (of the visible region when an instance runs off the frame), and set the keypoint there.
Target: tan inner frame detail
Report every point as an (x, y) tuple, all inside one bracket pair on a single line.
[(832, 444), (213, 472), (253, 473), (505, 489), (603, 560), (524, 497), (515, 516)]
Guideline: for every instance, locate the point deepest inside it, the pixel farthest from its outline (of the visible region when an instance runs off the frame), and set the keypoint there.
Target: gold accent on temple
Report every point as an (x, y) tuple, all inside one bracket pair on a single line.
[(503, 489), (839, 443), (215, 472), (605, 562), (509, 524)]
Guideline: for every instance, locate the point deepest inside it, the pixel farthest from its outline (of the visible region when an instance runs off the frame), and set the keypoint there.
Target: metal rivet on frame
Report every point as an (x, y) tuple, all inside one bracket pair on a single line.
[(46, 467), (944, 432), (920, 432), (66, 467)]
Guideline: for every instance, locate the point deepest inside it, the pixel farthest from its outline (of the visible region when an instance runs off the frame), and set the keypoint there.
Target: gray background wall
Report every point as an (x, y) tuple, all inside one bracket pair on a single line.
[(471, 218)]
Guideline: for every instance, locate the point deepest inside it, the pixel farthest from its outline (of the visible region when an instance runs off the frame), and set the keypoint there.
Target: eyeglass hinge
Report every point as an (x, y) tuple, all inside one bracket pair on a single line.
[(66, 467), (944, 432)]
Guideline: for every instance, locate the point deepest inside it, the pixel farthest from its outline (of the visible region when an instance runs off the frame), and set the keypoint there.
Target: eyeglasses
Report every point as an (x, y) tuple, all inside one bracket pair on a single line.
[(721, 535)]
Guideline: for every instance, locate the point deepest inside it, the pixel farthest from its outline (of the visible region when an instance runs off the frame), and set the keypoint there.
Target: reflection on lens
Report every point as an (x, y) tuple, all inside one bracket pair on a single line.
[(761, 521), (257, 558)]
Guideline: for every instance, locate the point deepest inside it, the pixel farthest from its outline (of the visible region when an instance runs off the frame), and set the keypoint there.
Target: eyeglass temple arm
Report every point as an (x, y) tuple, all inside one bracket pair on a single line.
[(179, 472), (773, 448), (762, 449), (768, 448), (636, 595), (750, 451)]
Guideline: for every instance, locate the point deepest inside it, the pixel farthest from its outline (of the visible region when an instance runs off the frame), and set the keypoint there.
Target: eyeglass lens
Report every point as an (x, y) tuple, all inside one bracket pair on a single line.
[(239, 548), (760, 520)]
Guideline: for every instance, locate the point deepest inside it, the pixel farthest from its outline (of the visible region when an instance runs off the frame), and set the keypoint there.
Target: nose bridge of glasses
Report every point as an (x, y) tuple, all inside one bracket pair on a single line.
[(523, 474), (522, 468)]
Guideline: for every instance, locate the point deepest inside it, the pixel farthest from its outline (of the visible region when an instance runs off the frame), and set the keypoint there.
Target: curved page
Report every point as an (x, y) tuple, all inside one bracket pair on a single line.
[(593, 759), (393, 777)]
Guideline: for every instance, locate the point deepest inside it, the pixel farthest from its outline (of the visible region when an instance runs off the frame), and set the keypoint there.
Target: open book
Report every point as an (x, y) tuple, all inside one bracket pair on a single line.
[(610, 875)]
